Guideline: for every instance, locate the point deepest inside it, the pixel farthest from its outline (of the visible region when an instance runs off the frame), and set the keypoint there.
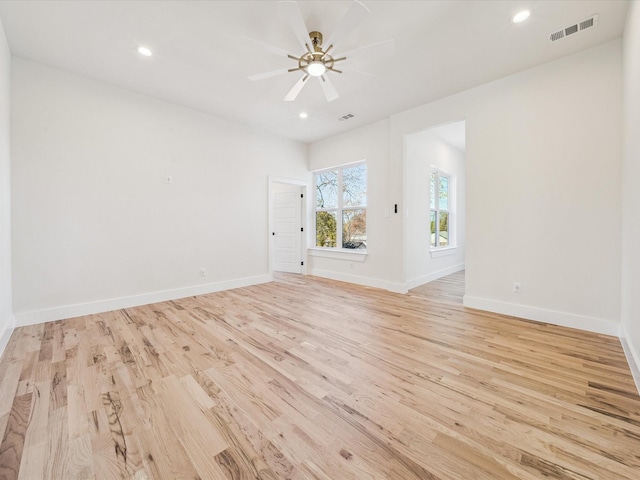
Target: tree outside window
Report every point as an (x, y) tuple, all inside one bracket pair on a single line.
[(341, 200)]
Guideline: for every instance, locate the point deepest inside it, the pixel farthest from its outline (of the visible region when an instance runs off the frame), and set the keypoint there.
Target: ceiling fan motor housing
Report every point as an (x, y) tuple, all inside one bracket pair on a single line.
[(316, 41)]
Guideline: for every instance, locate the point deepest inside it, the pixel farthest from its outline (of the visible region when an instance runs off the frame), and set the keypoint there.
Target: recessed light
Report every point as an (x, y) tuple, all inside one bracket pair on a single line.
[(303, 115), (521, 16), (144, 51)]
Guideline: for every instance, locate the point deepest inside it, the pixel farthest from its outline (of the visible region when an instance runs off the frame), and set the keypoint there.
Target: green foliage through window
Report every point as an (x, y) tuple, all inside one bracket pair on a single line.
[(325, 229)]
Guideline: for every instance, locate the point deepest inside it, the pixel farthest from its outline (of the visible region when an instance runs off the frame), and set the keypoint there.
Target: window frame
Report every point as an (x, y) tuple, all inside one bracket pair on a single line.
[(339, 209), (450, 211)]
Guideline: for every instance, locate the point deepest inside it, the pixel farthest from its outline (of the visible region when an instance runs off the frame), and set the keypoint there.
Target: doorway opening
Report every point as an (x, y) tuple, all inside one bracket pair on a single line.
[(435, 198)]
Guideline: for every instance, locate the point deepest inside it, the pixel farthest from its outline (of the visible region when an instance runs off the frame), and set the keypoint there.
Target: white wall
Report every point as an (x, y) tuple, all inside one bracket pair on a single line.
[(95, 226), (543, 150), (424, 150), (383, 264), (543, 182), (6, 309), (631, 190)]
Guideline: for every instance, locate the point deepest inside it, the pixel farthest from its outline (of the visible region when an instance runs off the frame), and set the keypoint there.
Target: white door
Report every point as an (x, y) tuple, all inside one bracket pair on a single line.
[(287, 225)]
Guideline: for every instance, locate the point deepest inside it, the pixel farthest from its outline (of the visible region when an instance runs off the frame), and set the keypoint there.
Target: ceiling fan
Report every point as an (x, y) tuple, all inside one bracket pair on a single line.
[(318, 58)]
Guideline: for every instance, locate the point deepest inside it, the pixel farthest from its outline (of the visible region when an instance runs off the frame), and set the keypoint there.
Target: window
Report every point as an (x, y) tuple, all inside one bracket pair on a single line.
[(341, 207), (441, 206)]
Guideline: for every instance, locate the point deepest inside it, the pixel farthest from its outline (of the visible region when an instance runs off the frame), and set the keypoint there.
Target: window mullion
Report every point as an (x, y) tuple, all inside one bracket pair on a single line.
[(436, 203), (436, 192), (339, 212)]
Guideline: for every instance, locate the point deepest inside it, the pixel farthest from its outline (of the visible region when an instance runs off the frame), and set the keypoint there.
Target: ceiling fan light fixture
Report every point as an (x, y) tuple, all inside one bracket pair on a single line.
[(316, 69)]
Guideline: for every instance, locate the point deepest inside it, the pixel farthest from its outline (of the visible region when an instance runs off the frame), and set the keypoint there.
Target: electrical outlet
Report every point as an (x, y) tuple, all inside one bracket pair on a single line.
[(203, 272), (516, 287)]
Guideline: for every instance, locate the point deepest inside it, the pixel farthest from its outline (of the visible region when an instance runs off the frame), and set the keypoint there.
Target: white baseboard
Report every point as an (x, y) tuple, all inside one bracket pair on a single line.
[(632, 354), (6, 334), (365, 281), (416, 282), (563, 319), (69, 311)]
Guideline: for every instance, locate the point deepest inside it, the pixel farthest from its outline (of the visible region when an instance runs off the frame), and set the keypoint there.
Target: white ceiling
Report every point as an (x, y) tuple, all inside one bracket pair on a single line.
[(201, 61)]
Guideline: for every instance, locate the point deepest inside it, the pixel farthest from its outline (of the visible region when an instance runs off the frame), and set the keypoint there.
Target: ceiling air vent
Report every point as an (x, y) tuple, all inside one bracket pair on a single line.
[(348, 116), (573, 29)]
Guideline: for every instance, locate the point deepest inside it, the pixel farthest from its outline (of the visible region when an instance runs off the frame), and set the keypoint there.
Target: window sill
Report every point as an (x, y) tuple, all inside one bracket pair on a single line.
[(443, 252), (339, 253)]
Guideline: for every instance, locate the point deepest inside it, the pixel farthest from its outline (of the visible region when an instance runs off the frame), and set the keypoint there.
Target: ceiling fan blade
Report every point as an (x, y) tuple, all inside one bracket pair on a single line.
[(356, 13), (293, 15), (293, 93), (328, 89), (272, 73), (265, 46), (375, 50)]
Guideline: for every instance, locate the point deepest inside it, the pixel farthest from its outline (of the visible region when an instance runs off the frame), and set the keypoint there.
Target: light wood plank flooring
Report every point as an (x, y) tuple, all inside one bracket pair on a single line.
[(306, 378)]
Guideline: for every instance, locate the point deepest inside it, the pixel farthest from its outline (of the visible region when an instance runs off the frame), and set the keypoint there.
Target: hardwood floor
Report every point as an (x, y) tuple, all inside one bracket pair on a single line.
[(306, 378)]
